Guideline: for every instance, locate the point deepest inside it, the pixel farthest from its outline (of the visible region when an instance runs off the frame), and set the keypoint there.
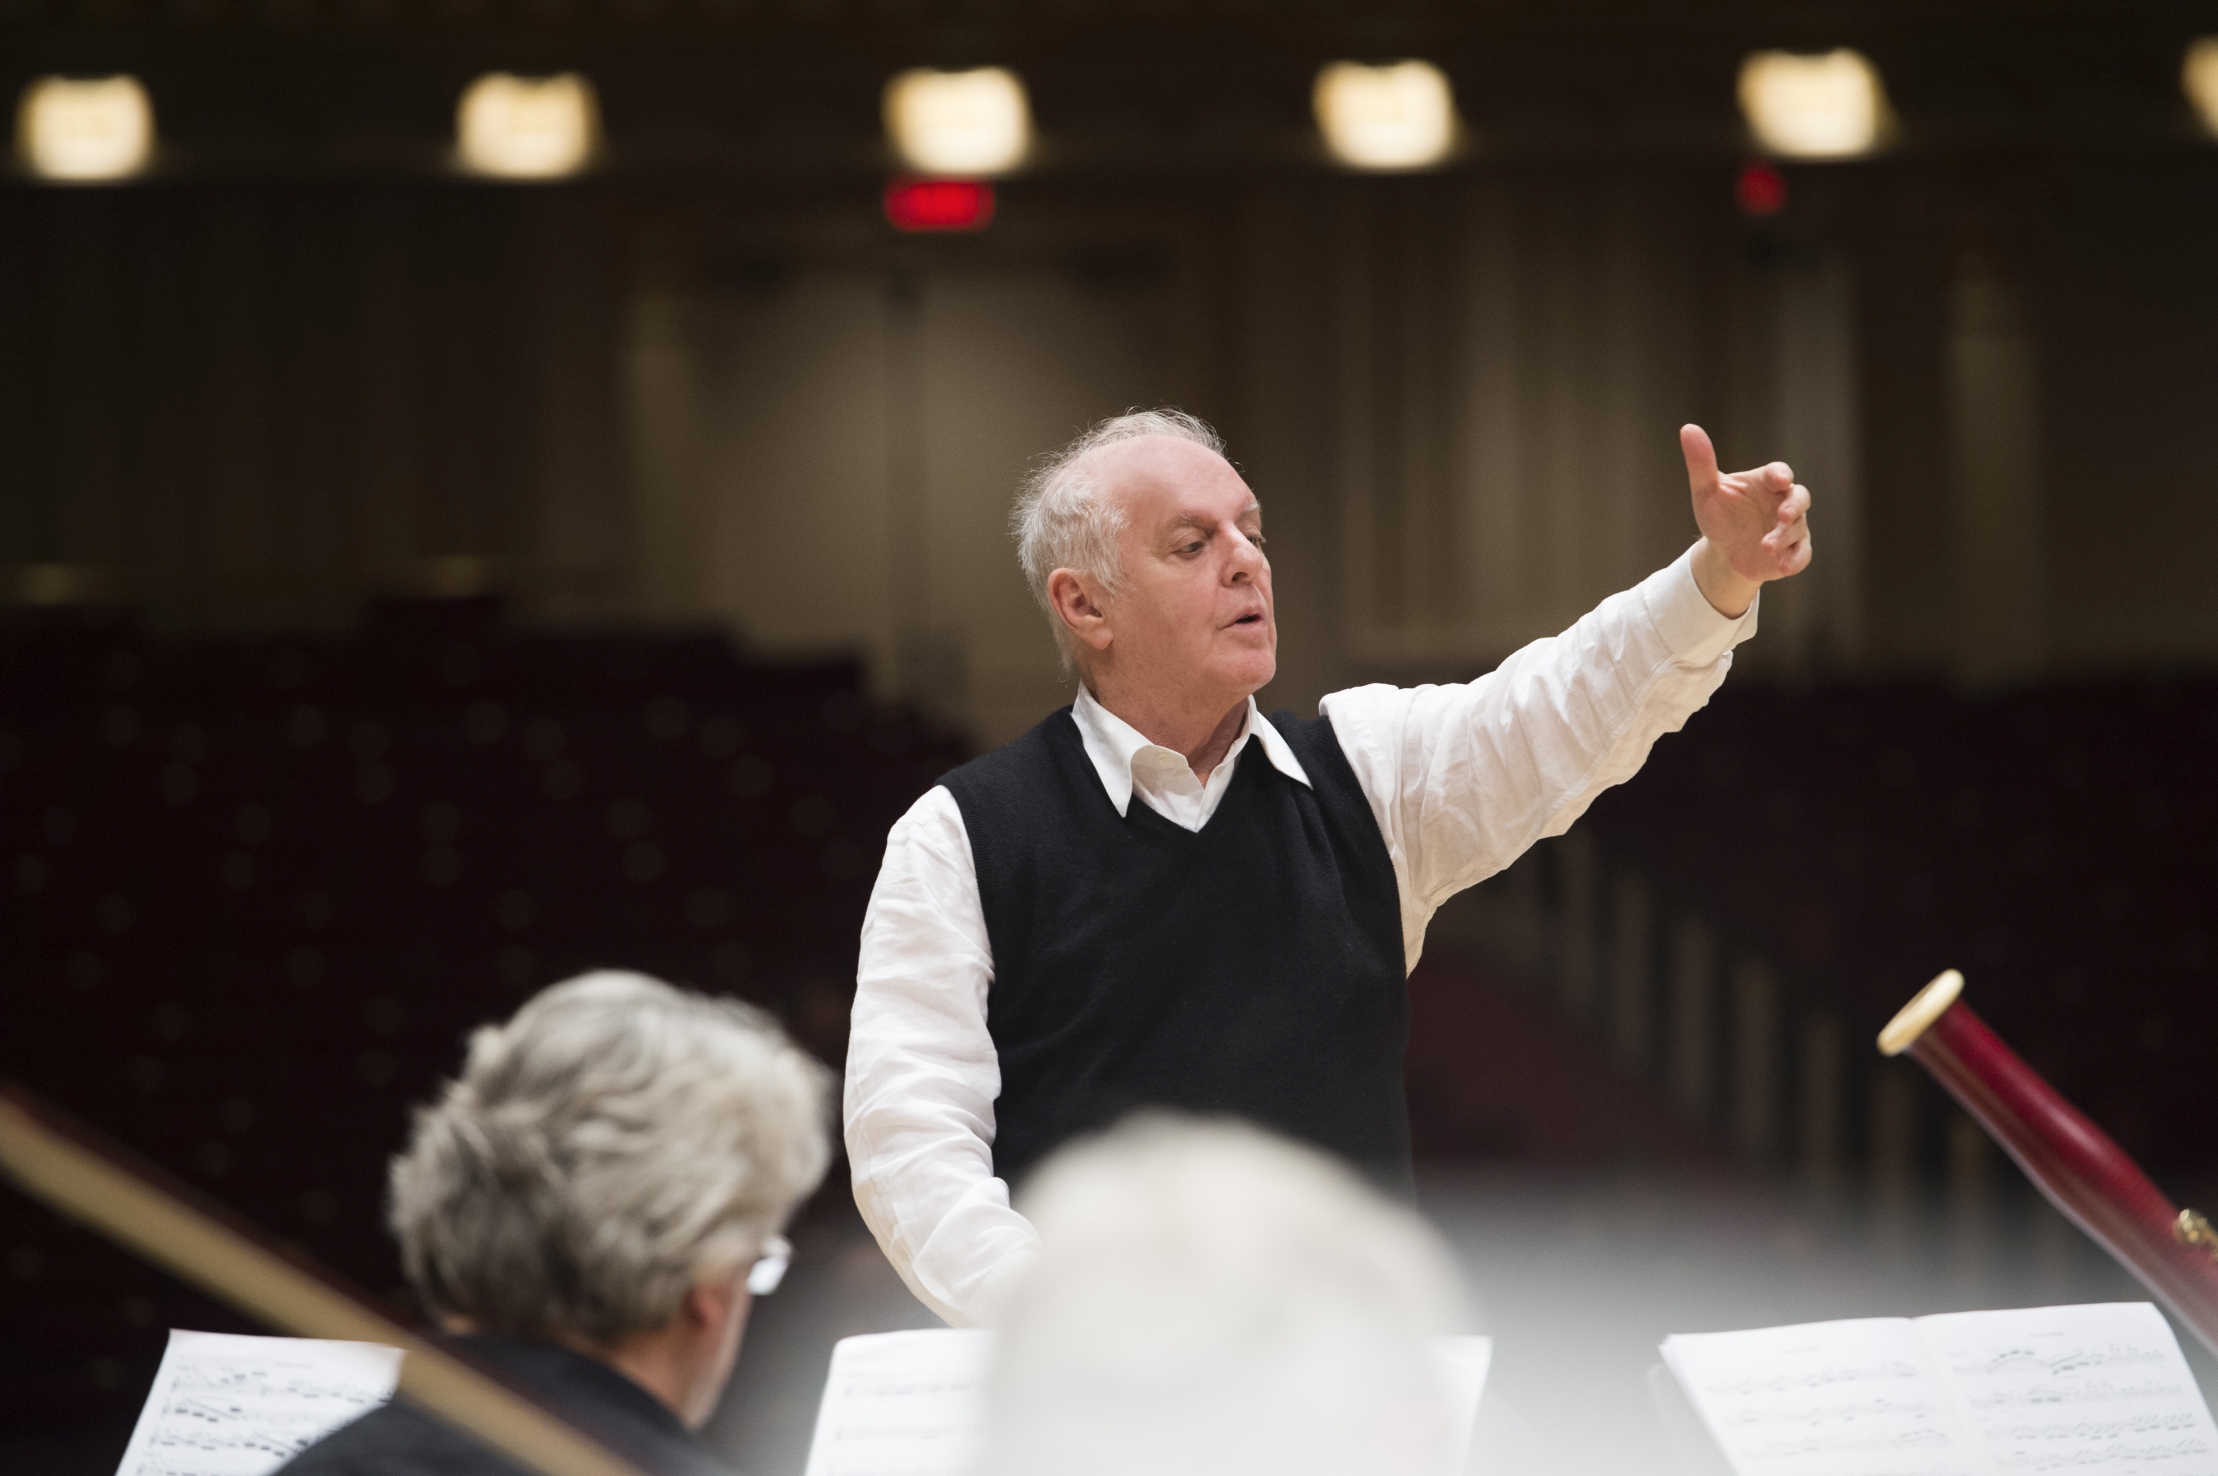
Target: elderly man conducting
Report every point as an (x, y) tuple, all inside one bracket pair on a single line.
[(1157, 897)]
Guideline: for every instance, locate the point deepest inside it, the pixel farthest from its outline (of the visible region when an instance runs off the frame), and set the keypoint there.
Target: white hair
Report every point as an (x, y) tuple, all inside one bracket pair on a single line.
[(1212, 1299), (1065, 518), (613, 1143)]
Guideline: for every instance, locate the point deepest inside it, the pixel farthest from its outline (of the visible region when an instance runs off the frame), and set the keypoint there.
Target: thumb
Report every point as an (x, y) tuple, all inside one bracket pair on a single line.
[(1694, 443)]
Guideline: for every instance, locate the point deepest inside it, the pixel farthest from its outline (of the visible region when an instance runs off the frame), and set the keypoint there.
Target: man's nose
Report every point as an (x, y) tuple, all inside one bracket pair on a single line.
[(1247, 560)]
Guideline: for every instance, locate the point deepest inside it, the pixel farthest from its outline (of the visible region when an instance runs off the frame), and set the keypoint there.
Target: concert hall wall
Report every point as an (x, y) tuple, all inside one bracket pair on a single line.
[(306, 361)]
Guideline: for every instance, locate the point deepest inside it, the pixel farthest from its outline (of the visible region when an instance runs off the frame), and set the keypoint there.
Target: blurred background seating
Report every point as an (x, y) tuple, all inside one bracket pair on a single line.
[(1736, 923), (260, 889)]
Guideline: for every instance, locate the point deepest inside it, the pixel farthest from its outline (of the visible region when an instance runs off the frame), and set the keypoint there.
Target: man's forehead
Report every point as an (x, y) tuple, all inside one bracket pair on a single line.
[(1166, 479)]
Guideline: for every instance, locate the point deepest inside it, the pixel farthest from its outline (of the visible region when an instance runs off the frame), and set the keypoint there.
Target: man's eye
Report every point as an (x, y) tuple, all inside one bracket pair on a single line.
[(1257, 539), (1192, 548)]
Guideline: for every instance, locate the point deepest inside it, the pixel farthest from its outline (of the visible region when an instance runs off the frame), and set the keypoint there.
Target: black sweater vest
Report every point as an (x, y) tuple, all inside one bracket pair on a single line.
[(1253, 968)]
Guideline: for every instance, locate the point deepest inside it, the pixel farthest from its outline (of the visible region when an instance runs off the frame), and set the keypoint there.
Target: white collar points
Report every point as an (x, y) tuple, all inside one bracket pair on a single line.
[(1116, 747)]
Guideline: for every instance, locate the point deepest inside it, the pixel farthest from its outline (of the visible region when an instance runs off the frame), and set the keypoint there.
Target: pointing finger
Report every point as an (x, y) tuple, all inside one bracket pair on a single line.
[(1694, 444)]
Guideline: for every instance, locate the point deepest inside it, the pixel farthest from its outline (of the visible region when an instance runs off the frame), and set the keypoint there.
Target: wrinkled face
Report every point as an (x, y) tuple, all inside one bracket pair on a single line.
[(1195, 614)]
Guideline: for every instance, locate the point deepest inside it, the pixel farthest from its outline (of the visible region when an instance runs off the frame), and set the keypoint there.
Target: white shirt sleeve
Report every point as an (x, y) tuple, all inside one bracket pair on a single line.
[(922, 1074), (1464, 778)]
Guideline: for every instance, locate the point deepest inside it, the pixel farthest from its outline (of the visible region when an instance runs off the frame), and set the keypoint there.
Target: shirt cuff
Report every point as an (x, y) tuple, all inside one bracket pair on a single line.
[(1695, 633), (990, 1302)]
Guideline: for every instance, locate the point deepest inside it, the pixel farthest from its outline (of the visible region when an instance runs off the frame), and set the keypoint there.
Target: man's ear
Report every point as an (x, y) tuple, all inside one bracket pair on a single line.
[(1078, 605), (708, 1304)]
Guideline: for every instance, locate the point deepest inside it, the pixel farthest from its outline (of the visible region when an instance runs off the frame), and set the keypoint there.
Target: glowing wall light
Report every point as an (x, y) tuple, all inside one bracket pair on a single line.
[(939, 204), (85, 128), (1760, 189), (1824, 106), (2199, 79), (527, 127), (963, 123), (1396, 117)]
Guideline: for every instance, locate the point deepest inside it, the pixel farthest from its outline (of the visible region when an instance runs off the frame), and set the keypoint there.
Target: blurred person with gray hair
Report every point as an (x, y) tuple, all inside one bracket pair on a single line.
[(590, 1207), (1210, 1299), (1157, 897)]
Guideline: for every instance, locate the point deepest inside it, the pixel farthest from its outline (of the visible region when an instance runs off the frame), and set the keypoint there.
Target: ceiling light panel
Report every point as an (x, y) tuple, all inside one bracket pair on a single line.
[(1827, 105), (2199, 79), (85, 129), (527, 127), (1393, 117), (969, 124)]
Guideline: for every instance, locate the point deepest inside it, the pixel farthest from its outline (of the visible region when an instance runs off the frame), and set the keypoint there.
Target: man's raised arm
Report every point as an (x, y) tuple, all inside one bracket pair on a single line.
[(1464, 778)]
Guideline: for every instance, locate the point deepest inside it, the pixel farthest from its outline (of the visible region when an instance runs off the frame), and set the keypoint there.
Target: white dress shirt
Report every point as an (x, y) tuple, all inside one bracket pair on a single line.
[(1461, 779)]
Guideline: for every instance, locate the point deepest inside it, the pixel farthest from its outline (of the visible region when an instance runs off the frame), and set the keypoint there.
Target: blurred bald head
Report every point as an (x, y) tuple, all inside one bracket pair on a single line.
[(1211, 1299)]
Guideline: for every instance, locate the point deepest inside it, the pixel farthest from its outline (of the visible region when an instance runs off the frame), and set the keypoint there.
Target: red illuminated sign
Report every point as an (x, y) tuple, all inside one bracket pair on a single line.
[(939, 204), (1761, 189)]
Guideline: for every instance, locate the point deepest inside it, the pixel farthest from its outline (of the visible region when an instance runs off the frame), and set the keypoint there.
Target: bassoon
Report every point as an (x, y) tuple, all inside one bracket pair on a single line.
[(2075, 1164)]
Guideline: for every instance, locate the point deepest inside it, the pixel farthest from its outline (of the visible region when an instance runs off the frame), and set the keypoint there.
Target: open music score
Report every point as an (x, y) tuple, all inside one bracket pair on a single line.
[(224, 1405), (1959, 1394), (902, 1404), (912, 1403)]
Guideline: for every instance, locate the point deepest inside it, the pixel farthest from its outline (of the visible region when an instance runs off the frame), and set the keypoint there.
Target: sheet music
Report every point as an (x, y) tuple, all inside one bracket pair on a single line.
[(2074, 1388), (1463, 1366), (1853, 1398), (224, 1405), (902, 1404), (912, 1403)]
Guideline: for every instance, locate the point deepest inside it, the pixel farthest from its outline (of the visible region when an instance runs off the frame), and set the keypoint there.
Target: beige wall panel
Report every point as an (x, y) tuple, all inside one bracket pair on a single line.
[(1015, 363), (1994, 403), (828, 465), (1515, 362), (664, 382), (759, 452), (1278, 423)]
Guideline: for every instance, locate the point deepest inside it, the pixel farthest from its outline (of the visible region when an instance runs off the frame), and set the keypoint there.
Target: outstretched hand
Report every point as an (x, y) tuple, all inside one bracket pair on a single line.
[(1755, 524)]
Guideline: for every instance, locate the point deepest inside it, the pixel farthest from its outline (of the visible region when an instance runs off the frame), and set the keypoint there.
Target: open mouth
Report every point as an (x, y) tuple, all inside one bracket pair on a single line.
[(1249, 620)]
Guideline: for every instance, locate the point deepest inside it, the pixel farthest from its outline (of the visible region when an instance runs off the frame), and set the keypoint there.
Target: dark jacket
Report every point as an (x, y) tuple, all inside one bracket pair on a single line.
[(401, 1440)]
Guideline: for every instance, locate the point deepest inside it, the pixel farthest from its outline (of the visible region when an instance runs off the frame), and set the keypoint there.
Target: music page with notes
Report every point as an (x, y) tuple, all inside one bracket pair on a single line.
[(902, 1403), (913, 1403), (2040, 1389), (226, 1405), (2097, 1388), (1825, 1399)]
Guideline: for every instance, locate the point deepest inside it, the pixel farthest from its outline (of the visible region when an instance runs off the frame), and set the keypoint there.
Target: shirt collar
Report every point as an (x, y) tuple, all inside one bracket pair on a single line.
[(1112, 744)]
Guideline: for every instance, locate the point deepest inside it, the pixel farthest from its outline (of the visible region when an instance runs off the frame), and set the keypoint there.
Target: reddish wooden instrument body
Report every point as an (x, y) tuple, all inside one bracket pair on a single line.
[(2074, 1163)]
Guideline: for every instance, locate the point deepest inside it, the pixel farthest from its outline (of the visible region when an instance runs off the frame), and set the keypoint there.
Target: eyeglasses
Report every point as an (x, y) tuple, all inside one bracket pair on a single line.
[(770, 1266)]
